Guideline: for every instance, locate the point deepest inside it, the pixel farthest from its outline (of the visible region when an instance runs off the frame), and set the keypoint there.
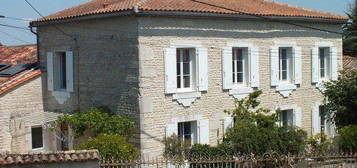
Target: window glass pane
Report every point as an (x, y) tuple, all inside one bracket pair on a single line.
[(234, 79), (186, 55), (186, 80), (322, 62), (322, 117), (284, 75), (284, 64), (187, 128), (239, 77), (37, 139), (63, 74), (180, 128), (283, 53), (240, 66), (178, 81), (178, 68), (287, 118), (186, 68)]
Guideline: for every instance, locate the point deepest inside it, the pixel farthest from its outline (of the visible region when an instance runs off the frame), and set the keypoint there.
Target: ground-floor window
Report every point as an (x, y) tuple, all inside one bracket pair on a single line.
[(37, 137), (325, 124), (286, 118), (187, 132)]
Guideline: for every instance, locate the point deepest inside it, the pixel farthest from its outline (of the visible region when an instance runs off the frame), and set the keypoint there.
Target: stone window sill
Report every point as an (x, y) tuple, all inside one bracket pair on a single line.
[(61, 96), (240, 92), (285, 89), (186, 98)]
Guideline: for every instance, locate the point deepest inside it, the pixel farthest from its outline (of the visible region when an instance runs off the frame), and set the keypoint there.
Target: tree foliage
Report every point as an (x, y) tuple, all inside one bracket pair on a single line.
[(255, 130), (348, 139), (350, 31), (341, 99)]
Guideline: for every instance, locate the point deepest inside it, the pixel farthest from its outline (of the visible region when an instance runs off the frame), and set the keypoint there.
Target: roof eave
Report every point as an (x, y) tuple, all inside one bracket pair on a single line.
[(185, 14)]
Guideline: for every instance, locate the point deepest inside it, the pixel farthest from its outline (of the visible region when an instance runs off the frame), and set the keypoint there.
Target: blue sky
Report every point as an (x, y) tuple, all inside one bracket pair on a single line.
[(19, 9)]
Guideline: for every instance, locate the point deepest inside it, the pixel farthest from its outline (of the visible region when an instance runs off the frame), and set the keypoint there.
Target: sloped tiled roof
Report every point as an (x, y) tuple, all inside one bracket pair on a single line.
[(349, 63), (48, 157), (18, 55), (238, 7)]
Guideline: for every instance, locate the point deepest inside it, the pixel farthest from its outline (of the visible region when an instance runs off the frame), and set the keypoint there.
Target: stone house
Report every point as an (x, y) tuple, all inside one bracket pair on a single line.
[(22, 118), (176, 65)]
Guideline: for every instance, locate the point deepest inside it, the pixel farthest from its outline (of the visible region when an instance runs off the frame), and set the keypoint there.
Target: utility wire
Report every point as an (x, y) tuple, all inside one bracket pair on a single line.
[(15, 27), (268, 18), (14, 37), (38, 12), (15, 18)]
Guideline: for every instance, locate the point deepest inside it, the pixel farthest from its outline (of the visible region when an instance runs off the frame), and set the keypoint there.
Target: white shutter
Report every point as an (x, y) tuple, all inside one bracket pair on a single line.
[(254, 67), (297, 65), (171, 129), (227, 67), (228, 122), (334, 69), (297, 117), (315, 121), (50, 83), (274, 66), (202, 55), (170, 70), (315, 65), (69, 71), (204, 131)]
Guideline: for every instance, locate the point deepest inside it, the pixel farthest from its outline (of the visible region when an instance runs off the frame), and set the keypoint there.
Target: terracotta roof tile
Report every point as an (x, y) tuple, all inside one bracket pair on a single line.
[(349, 63), (7, 158), (252, 7)]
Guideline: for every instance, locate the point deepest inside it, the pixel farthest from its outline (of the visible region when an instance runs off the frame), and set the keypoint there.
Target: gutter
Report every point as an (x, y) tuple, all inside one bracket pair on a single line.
[(140, 13), (37, 45)]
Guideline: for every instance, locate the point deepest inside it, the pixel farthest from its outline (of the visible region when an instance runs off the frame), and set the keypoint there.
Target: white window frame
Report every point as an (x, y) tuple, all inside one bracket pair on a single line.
[(58, 70), (330, 128), (245, 68), (193, 71), (193, 129), (43, 139), (297, 114), (281, 121), (327, 64), (289, 64)]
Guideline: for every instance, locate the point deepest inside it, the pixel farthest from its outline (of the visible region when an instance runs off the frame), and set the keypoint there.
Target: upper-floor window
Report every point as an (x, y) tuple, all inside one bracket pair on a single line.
[(60, 69), (324, 63), (240, 66), (185, 61), (285, 64)]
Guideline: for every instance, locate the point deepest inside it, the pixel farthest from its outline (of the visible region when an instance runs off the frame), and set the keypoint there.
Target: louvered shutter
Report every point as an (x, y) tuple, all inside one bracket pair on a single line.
[(228, 122), (171, 129), (315, 121), (227, 68), (297, 117), (254, 67), (50, 83), (204, 131), (202, 55), (315, 65), (170, 70), (334, 60), (69, 71), (297, 65), (274, 66)]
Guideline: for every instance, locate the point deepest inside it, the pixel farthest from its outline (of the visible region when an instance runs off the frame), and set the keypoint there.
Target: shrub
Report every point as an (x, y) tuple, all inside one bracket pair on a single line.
[(319, 144), (111, 147), (348, 139), (175, 149), (255, 130), (199, 151)]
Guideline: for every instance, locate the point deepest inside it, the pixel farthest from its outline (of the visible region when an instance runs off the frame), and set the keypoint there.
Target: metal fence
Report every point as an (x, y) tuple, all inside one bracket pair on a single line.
[(337, 161)]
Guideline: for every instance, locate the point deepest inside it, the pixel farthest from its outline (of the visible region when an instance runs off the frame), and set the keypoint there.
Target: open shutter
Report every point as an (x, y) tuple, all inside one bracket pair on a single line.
[(297, 65), (202, 56), (315, 121), (227, 67), (254, 67), (315, 65), (50, 84), (204, 131), (69, 70), (297, 117), (171, 129), (334, 69), (228, 122), (170, 70), (274, 66)]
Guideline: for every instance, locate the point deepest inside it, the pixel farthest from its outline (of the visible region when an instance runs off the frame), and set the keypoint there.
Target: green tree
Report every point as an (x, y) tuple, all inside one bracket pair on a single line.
[(341, 99), (350, 31)]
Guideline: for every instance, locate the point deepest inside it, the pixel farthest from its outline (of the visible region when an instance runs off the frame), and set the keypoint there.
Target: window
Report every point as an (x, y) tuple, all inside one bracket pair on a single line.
[(285, 64), (60, 71), (325, 125), (37, 137), (286, 118), (240, 66), (185, 68), (324, 63), (187, 132)]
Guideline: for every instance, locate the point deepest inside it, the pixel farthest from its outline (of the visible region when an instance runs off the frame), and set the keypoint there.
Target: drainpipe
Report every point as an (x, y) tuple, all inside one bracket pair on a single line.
[(38, 45)]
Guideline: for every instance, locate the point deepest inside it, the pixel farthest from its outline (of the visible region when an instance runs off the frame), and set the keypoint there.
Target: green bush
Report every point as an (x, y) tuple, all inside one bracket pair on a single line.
[(111, 147), (255, 130), (199, 151), (320, 144), (348, 139), (175, 149)]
